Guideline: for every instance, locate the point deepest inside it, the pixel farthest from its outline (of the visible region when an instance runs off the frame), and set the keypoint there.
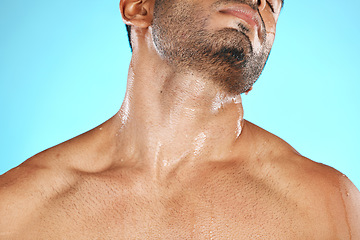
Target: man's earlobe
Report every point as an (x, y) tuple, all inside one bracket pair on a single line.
[(137, 12)]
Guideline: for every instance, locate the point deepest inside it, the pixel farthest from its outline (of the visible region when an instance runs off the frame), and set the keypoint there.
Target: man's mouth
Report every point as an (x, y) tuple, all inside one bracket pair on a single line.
[(246, 14)]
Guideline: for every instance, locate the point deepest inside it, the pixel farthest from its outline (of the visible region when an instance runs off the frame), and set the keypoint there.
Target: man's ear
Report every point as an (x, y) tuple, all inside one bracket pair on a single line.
[(137, 12)]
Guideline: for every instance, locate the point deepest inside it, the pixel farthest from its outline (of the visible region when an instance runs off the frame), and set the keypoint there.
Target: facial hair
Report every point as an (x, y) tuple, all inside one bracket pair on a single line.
[(225, 56)]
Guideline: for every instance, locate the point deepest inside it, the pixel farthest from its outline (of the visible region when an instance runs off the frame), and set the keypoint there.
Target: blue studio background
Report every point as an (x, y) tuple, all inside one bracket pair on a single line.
[(63, 67)]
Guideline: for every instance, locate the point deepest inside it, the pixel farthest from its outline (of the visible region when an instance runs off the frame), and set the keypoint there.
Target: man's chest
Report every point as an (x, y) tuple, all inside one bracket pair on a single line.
[(210, 211), (145, 219)]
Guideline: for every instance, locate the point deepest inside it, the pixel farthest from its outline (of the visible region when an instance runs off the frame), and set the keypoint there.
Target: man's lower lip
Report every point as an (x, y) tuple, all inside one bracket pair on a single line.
[(241, 16)]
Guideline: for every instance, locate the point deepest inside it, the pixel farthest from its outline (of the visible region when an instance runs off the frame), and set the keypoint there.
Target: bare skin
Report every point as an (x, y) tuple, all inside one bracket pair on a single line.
[(178, 161)]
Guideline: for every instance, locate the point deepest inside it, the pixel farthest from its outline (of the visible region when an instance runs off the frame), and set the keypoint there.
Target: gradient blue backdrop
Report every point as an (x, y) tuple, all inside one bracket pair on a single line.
[(63, 67)]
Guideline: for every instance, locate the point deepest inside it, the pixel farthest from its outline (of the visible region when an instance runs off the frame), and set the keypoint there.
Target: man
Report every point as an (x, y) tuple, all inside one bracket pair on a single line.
[(178, 161)]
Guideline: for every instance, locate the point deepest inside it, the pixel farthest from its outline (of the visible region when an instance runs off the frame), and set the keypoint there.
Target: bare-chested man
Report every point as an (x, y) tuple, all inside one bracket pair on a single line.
[(178, 161)]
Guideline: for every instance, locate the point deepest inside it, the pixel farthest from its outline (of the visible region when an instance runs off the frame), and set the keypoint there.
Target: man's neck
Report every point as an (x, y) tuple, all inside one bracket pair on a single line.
[(169, 117)]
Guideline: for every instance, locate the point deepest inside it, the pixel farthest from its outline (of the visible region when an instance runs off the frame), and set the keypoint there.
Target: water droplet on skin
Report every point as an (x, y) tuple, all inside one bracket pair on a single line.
[(199, 143), (347, 194), (165, 163), (100, 128)]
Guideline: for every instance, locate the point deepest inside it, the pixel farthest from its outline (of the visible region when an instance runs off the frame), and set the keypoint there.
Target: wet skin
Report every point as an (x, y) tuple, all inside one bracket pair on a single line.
[(265, 190), (178, 161)]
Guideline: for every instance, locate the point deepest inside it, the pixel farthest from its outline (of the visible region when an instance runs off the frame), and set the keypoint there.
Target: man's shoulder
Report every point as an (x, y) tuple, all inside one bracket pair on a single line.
[(36, 172), (304, 171), (49, 174), (323, 194), (26, 189), (313, 186), (329, 194), (351, 200)]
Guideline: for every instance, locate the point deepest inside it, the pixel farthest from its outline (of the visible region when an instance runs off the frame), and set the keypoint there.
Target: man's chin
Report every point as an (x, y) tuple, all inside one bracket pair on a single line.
[(234, 57), (232, 38)]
